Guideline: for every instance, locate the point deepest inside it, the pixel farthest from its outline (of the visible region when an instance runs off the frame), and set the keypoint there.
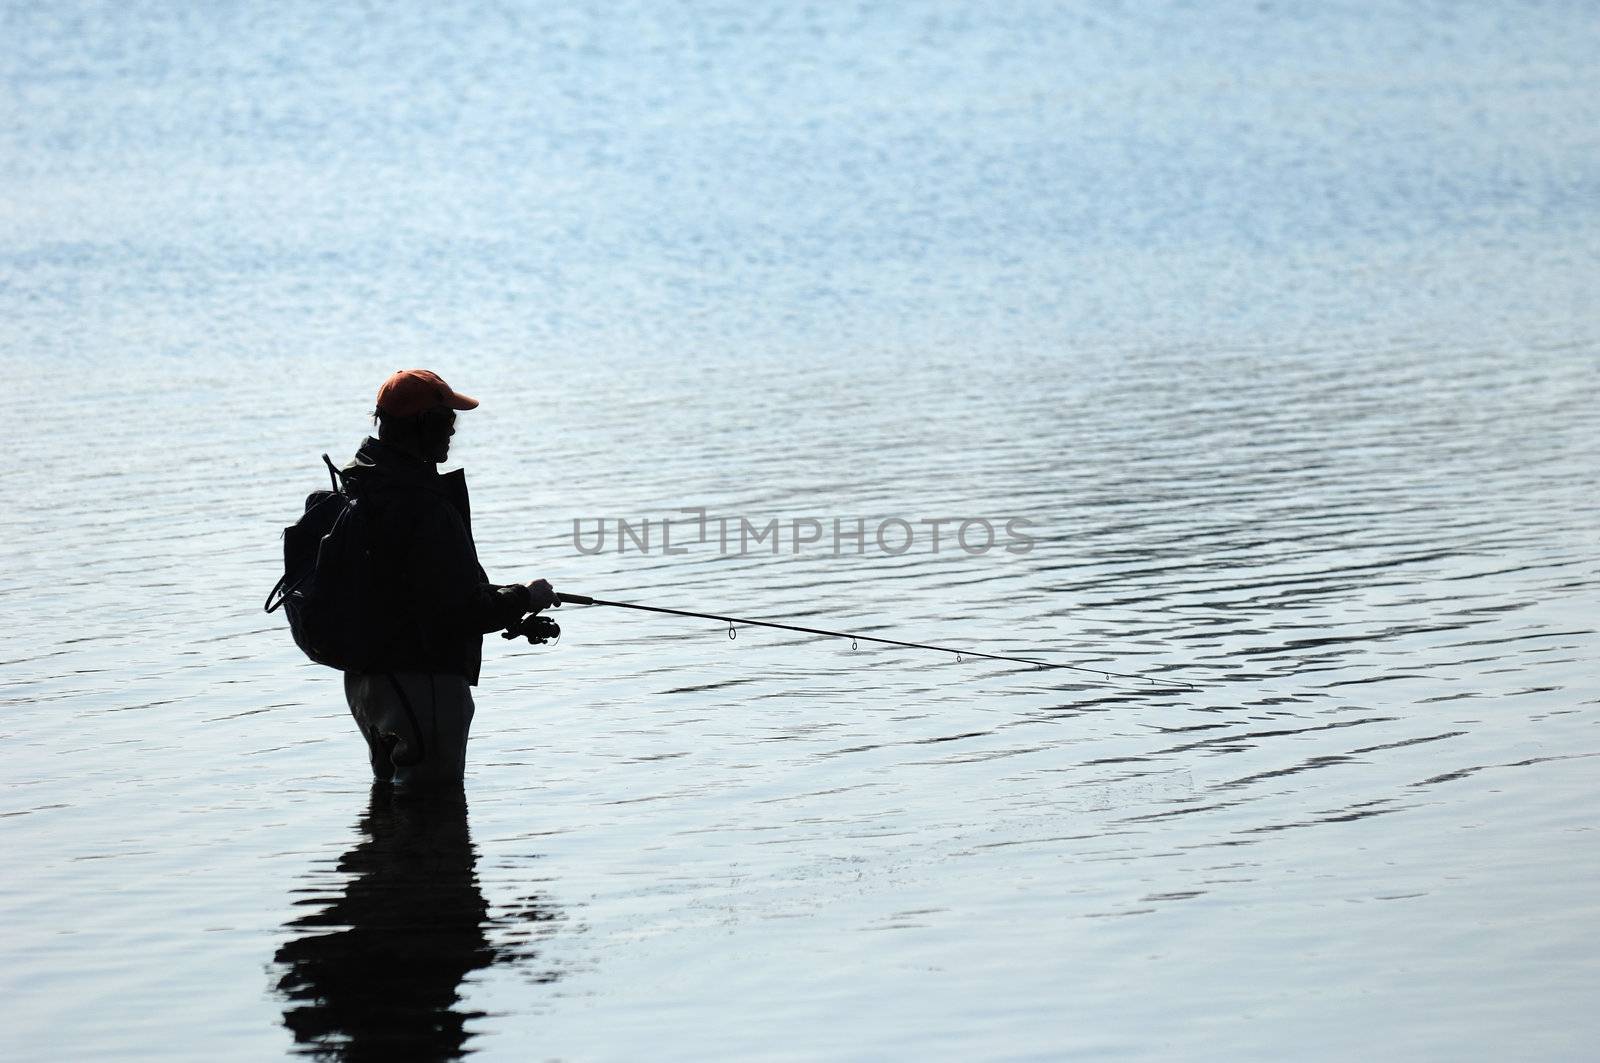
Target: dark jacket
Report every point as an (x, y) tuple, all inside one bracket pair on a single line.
[(433, 588)]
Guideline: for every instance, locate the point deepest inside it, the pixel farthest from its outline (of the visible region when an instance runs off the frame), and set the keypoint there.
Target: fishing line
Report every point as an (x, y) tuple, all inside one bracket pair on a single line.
[(960, 655)]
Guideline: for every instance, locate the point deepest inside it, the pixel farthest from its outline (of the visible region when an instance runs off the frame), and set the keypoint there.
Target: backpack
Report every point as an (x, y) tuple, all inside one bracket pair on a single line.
[(329, 588)]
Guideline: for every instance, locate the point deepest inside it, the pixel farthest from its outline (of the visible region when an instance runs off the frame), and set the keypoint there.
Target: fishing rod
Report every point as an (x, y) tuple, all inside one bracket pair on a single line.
[(733, 622)]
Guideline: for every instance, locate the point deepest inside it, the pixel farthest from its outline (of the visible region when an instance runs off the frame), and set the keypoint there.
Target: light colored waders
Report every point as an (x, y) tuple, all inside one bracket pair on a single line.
[(415, 724)]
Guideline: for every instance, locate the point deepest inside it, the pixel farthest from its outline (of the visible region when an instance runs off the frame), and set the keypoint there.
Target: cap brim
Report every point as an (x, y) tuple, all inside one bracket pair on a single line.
[(458, 401)]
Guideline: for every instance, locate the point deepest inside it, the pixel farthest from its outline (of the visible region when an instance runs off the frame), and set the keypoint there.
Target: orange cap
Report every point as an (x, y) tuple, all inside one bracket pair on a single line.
[(413, 391)]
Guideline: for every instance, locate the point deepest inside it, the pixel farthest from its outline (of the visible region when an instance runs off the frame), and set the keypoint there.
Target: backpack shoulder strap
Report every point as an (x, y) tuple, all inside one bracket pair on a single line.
[(340, 479), (279, 592)]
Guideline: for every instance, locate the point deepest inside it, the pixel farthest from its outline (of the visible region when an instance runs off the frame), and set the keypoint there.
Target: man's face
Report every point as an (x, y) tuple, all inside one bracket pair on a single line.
[(438, 427)]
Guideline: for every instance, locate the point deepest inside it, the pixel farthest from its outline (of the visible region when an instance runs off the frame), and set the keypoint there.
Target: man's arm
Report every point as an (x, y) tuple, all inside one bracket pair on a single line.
[(449, 582)]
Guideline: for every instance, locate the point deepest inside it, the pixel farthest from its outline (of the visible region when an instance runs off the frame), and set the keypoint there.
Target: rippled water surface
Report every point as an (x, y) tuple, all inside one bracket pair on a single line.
[(1277, 323)]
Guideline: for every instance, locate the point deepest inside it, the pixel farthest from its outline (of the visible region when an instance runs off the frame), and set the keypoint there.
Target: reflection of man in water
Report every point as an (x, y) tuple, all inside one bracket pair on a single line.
[(411, 925)]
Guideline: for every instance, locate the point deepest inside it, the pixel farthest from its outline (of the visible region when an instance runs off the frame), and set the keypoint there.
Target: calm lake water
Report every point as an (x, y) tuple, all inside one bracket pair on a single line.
[(1279, 322)]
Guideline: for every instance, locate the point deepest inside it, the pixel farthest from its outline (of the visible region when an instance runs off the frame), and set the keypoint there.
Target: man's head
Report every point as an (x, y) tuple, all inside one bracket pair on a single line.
[(417, 413)]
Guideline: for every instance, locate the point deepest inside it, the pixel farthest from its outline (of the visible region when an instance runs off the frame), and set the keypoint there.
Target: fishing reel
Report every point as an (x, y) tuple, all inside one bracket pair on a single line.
[(537, 629)]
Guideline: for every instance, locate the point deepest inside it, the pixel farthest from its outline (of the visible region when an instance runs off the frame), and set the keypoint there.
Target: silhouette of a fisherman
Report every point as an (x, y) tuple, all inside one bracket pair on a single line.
[(414, 703)]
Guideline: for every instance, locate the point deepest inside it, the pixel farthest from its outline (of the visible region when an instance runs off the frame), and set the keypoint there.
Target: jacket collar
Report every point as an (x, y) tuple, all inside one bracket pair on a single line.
[(375, 457), (387, 465)]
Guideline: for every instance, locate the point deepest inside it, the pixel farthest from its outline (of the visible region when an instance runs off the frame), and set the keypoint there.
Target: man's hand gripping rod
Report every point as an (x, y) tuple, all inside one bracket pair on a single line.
[(537, 629)]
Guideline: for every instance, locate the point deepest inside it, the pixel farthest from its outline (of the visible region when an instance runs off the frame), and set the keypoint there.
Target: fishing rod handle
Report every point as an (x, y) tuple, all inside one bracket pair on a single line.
[(574, 599)]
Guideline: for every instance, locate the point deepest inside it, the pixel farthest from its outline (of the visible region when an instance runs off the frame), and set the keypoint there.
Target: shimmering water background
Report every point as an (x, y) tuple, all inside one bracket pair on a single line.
[(1279, 320)]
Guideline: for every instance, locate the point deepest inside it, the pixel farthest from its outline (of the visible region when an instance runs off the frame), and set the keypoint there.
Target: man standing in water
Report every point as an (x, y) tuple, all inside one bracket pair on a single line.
[(414, 705)]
